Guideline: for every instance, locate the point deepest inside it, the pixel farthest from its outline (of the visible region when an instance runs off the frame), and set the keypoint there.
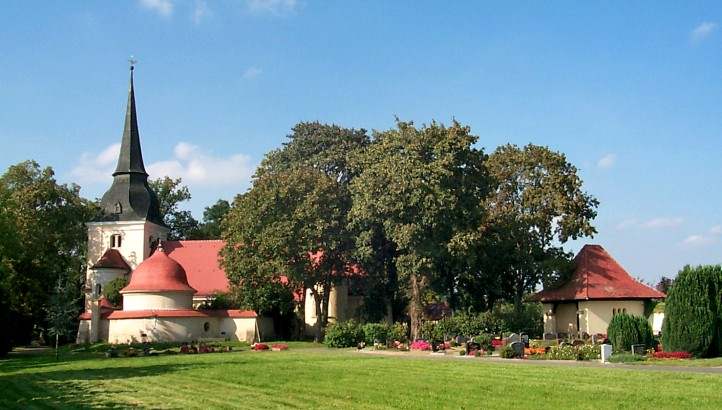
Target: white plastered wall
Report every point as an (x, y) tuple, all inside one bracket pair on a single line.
[(180, 329), (596, 314), (157, 300)]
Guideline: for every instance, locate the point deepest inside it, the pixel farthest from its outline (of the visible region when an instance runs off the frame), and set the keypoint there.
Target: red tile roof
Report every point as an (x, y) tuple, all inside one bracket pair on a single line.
[(598, 276), (144, 314), (105, 309), (200, 260), (158, 273), (111, 259)]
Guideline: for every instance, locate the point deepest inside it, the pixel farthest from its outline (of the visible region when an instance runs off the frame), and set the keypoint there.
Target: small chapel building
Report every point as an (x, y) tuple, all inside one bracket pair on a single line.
[(168, 280), (598, 289)]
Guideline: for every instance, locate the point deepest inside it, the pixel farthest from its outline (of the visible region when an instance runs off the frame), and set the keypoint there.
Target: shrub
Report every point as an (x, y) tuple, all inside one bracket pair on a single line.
[(484, 340), (625, 357), (111, 291), (507, 352), (376, 332), (626, 330), (569, 352), (344, 334), (398, 332), (693, 312)]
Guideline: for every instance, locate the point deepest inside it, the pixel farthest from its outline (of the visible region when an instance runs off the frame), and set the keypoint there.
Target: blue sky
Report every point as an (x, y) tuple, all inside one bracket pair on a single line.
[(632, 93)]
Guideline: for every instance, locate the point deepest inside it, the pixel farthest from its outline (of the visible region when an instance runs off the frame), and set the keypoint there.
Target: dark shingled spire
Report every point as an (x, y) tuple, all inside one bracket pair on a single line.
[(131, 157), (130, 198)]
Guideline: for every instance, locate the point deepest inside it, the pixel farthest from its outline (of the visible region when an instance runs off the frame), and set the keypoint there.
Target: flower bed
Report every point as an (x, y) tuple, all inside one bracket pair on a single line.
[(277, 347), (259, 346), (420, 345), (671, 355)]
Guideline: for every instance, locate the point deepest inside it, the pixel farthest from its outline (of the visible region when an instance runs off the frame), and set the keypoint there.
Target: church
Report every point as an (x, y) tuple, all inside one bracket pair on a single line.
[(168, 280)]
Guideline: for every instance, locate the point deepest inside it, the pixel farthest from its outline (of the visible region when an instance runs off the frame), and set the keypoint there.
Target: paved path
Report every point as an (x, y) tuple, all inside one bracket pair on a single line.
[(561, 363)]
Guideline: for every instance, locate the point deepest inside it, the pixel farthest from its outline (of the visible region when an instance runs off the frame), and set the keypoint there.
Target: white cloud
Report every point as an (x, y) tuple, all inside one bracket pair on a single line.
[(627, 223), (272, 6), (703, 30), (654, 223), (189, 162), (716, 230), (162, 7), (663, 223), (196, 166), (96, 168), (201, 11), (607, 161), (698, 240), (251, 73)]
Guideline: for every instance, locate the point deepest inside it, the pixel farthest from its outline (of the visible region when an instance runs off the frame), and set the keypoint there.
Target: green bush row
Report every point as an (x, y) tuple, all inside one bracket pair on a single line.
[(350, 333), (503, 319)]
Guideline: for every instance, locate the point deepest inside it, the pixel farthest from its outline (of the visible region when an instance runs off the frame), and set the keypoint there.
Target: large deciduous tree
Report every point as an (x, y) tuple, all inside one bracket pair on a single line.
[(288, 226), (42, 238), (171, 193), (536, 204), (417, 192), (303, 187), (213, 217)]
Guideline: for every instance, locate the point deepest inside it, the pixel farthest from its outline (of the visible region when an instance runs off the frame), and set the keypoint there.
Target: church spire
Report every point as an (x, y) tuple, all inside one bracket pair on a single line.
[(130, 198), (131, 157)]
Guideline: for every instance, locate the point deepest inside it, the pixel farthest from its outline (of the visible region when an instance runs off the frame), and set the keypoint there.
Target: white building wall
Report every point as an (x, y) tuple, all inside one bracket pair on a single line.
[(157, 300), (180, 329)]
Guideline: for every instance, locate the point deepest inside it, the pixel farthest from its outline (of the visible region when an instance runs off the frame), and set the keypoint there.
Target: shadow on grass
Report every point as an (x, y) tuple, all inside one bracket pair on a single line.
[(71, 388)]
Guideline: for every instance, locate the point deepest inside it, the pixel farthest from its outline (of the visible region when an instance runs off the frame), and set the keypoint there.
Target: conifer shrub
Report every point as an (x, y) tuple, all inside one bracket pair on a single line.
[(693, 312), (626, 330)]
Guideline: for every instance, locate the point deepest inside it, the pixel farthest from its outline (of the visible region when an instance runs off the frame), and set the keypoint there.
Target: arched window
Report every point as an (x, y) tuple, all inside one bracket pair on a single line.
[(98, 290), (206, 327), (116, 240)]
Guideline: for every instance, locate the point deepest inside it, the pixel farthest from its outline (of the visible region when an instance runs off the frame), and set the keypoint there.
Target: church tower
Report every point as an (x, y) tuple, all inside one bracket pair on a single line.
[(125, 233)]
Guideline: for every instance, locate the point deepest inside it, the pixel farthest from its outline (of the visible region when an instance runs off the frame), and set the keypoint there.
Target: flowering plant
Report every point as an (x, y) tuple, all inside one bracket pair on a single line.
[(279, 346), (671, 355), (420, 345), (259, 346)]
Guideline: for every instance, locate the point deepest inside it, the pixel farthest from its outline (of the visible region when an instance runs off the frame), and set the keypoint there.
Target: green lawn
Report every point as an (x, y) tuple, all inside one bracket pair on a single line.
[(322, 378)]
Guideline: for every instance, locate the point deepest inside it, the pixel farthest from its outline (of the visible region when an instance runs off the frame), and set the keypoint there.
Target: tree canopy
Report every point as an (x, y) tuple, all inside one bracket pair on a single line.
[(42, 238), (171, 193)]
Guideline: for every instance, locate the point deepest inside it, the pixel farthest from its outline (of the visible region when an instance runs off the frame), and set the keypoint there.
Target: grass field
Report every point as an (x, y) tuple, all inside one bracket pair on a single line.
[(321, 378)]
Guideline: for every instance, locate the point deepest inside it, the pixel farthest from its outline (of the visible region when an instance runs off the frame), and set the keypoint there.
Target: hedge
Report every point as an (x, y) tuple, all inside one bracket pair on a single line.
[(693, 312), (626, 330)]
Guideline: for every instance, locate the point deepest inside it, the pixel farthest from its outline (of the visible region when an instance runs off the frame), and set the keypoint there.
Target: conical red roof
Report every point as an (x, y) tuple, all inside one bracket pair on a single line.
[(159, 273), (598, 276)]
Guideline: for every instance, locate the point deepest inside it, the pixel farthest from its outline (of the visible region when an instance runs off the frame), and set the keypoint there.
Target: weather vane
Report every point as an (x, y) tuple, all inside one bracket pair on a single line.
[(132, 62)]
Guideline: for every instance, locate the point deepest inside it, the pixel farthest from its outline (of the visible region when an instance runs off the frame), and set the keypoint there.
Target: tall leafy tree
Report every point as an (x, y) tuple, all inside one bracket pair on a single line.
[(42, 237), (417, 193), (62, 310), (536, 204), (288, 227), (213, 217), (322, 153), (171, 194)]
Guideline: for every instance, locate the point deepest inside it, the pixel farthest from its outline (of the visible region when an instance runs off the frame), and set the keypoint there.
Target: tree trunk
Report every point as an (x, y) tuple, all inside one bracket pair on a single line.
[(415, 307), (57, 354), (389, 311)]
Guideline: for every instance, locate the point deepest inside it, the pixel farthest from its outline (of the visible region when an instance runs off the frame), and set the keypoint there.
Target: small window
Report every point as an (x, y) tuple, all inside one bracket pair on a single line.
[(98, 290), (116, 240), (118, 208), (206, 327)]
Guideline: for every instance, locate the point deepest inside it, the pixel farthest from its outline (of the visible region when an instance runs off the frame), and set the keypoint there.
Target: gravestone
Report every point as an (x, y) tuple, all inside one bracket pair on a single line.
[(638, 349), (549, 336), (606, 353), (513, 338), (518, 348)]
